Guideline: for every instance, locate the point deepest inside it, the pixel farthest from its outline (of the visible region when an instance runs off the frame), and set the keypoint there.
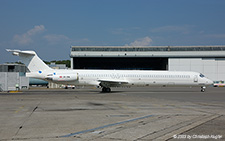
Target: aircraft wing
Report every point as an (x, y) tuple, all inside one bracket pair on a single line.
[(112, 83)]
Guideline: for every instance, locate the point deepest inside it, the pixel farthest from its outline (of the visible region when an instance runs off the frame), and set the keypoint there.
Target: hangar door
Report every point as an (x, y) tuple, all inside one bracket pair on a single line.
[(121, 63), (213, 68)]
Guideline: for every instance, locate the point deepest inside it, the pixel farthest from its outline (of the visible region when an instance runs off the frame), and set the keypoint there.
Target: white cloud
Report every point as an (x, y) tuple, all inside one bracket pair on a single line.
[(22, 39), (146, 41), (26, 38), (54, 38), (36, 29)]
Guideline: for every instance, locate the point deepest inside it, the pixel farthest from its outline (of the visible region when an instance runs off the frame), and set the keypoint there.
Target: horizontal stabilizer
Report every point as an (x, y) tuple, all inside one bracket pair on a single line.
[(19, 52)]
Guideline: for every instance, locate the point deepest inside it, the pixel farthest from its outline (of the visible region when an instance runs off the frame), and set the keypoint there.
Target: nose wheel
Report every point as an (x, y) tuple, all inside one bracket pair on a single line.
[(203, 89), (106, 90)]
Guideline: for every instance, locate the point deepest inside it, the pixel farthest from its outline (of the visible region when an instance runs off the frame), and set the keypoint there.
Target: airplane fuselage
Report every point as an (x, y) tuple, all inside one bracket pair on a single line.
[(124, 77)]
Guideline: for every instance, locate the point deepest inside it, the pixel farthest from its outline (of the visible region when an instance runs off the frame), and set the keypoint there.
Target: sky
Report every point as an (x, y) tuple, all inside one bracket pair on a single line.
[(51, 27)]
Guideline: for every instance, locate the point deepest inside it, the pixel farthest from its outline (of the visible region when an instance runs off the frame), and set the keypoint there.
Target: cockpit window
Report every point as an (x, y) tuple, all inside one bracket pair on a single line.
[(201, 75)]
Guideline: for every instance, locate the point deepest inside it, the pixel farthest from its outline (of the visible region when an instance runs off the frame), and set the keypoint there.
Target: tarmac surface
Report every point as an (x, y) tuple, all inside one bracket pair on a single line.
[(125, 114)]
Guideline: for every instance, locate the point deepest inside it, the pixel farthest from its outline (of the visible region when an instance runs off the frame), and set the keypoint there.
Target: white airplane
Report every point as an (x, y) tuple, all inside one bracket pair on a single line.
[(109, 78)]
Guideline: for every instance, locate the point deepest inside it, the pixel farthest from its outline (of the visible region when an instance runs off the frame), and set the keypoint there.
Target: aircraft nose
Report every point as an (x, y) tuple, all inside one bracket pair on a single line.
[(209, 82)]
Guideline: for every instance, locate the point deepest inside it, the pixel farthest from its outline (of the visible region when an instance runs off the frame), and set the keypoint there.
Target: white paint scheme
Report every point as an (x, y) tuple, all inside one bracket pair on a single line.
[(109, 78)]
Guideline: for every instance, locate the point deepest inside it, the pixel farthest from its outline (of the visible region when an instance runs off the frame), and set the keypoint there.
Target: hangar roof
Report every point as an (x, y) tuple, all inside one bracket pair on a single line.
[(147, 48), (148, 51)]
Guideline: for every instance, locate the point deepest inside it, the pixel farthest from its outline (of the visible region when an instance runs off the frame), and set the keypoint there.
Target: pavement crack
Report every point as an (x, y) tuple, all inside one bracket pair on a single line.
[(27, 119), (35, 109)]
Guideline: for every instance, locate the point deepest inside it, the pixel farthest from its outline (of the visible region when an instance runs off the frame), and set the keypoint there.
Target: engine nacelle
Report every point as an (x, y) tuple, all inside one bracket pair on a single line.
[(63, 77)]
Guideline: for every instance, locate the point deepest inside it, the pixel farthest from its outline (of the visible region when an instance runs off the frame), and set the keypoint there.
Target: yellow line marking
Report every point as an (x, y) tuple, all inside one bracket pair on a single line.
[(20, 108)]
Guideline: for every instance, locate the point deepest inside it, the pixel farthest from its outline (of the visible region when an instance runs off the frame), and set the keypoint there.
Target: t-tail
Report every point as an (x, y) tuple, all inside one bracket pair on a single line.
[(37, 68)]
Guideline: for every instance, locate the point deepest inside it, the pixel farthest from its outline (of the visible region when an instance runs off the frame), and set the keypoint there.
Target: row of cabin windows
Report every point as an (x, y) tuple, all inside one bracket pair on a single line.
[(135, 75)]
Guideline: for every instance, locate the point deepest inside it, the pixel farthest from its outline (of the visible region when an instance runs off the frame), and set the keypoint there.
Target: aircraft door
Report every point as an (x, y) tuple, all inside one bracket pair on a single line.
[(195, 78), (77, 76)]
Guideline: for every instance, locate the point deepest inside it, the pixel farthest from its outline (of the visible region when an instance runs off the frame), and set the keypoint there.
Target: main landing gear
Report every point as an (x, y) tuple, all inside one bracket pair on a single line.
[(203, 89), (106, 90)]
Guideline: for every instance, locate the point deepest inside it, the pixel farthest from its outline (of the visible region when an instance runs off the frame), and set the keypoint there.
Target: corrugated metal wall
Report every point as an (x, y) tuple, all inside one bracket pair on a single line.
[(213, 68), (8, 81)]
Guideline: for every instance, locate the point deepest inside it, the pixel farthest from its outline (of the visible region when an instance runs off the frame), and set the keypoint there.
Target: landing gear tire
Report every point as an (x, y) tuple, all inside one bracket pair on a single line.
[(203, 89), (106, 90)]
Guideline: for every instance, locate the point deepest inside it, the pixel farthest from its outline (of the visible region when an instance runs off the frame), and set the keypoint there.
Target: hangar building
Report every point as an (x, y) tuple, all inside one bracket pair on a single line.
[(209, 60)]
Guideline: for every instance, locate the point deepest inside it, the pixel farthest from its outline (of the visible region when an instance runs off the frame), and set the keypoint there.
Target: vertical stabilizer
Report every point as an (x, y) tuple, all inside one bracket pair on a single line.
[(31, 60)]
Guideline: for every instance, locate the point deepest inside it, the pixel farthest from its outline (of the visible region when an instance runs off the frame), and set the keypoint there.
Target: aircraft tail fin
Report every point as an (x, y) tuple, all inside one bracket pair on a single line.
[(31, 60)]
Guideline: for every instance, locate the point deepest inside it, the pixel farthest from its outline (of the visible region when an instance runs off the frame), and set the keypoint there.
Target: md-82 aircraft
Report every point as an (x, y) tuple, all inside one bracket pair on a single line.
[(109, 78)]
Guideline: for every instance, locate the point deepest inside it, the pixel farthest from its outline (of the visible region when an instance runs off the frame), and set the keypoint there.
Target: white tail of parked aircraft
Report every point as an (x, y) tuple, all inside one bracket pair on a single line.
[(109, 78)]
